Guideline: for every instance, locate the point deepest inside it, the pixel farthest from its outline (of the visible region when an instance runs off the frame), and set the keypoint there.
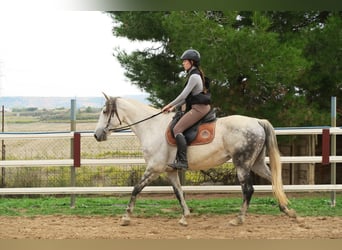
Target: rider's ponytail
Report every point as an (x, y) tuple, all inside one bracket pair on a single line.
[(205, 90)]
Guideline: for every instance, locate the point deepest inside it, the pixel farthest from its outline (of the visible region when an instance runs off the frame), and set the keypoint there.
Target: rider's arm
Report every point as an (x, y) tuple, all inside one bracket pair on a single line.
[(193, 86)]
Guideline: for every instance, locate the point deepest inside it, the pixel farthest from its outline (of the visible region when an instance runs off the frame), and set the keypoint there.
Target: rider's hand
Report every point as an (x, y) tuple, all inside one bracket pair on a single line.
[(167, 109)]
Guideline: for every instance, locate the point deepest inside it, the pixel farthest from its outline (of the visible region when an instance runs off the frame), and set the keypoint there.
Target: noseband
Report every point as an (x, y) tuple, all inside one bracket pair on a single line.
[(111, 107)]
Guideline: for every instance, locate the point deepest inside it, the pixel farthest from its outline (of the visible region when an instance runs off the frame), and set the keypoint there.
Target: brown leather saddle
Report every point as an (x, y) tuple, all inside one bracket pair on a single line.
[(202, 132)]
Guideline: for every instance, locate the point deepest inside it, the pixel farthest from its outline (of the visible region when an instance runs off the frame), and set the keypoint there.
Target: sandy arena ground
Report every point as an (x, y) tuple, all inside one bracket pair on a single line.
[(200, 227)]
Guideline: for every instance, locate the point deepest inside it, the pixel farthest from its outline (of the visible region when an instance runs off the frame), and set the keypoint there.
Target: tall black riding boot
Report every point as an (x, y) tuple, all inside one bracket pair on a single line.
[(181, 161)]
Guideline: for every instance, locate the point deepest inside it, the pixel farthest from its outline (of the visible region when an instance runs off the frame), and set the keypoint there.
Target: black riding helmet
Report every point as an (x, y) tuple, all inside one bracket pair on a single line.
[(192, 55)]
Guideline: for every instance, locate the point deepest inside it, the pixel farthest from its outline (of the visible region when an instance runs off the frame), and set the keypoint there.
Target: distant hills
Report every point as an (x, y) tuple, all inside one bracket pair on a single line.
[(11, 102)]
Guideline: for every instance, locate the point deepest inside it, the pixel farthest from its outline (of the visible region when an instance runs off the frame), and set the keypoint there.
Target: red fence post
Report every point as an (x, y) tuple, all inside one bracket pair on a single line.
[(77, 149), (326, 146)]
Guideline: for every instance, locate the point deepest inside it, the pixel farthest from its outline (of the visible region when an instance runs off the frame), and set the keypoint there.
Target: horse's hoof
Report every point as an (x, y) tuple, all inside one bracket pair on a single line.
[(291, 213), (125, 221), (183, 222), (237, 221)]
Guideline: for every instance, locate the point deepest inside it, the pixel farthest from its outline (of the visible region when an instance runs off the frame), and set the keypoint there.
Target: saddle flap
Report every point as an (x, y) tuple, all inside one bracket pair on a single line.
[(203, 135), (200, 133)]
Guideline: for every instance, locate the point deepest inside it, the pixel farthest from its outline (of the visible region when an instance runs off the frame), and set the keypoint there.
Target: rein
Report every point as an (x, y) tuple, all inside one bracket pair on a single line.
[(132, 124), (113, 111)]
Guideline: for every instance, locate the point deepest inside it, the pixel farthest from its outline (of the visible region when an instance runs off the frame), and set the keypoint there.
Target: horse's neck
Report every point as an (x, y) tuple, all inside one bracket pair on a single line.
[(146, 130)]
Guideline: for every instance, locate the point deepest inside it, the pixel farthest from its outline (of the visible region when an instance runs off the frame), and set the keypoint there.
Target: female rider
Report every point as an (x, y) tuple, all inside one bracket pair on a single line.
[(197, 100)]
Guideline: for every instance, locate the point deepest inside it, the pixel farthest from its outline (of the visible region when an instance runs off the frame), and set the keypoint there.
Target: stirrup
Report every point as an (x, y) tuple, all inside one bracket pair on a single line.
[(179, 165)]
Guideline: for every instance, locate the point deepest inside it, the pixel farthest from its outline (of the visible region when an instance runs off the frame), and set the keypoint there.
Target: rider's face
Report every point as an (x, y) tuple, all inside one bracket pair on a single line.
[(186, 64)]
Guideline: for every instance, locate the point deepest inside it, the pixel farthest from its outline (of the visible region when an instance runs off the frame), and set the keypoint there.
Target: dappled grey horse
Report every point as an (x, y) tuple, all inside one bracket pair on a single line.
[(245, 140)]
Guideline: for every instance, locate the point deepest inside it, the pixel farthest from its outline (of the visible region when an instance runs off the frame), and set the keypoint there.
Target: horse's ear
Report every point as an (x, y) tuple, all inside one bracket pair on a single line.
[(107, 98)]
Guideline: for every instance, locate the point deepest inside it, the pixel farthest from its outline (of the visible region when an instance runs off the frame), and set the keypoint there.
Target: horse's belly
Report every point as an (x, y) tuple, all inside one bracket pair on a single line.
[(204, 158)]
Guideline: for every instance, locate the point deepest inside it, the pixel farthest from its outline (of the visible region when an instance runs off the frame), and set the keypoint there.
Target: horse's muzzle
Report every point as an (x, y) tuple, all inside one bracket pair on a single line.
[(100, 135)]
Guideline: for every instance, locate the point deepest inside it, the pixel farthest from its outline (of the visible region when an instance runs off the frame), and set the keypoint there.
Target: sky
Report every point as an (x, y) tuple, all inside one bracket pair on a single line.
[(61, 53)]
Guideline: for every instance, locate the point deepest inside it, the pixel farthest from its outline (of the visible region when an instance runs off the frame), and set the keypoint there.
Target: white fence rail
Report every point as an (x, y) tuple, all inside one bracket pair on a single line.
[(159, 189), (164, 189), (105, 162)]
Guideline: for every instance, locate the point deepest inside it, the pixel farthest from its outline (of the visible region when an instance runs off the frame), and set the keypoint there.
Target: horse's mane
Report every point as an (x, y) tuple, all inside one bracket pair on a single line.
[(139, 103)]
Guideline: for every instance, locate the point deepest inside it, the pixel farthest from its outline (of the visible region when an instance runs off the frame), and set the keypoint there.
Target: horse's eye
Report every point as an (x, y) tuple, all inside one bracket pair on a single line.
[(104, 111)]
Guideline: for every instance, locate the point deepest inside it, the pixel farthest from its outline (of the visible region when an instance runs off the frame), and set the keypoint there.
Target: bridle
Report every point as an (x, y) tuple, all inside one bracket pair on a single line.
[(111, 105)]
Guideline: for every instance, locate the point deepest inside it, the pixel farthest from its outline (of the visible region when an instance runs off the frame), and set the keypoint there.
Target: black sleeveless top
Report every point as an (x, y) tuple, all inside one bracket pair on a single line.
[(201, 98)]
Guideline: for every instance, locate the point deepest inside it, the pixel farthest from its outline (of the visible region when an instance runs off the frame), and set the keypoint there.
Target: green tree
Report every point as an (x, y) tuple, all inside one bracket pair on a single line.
[(324, 50), (273, 50)]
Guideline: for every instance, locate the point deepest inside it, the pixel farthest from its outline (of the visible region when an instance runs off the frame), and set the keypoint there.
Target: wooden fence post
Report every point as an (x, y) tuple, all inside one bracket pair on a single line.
[(325, 146), (77, 150)]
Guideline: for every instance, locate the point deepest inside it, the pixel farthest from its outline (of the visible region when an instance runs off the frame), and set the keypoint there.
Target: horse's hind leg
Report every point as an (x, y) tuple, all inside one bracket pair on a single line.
[(177, 188), (261, 169), (245, 180), (145, 180)]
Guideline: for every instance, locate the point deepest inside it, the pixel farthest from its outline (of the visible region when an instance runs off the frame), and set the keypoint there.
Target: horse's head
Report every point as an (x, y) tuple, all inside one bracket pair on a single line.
[(108, 119)]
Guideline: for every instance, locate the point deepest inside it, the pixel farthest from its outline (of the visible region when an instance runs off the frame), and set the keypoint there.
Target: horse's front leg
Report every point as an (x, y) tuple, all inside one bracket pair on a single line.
[(177, 188), (145, 180)]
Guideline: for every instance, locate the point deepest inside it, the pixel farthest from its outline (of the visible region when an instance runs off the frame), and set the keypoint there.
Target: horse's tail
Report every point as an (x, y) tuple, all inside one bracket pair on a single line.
[(275, 164)]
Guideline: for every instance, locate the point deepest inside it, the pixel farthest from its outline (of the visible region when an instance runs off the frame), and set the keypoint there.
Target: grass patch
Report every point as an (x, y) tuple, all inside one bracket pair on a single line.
[(112, 206)]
